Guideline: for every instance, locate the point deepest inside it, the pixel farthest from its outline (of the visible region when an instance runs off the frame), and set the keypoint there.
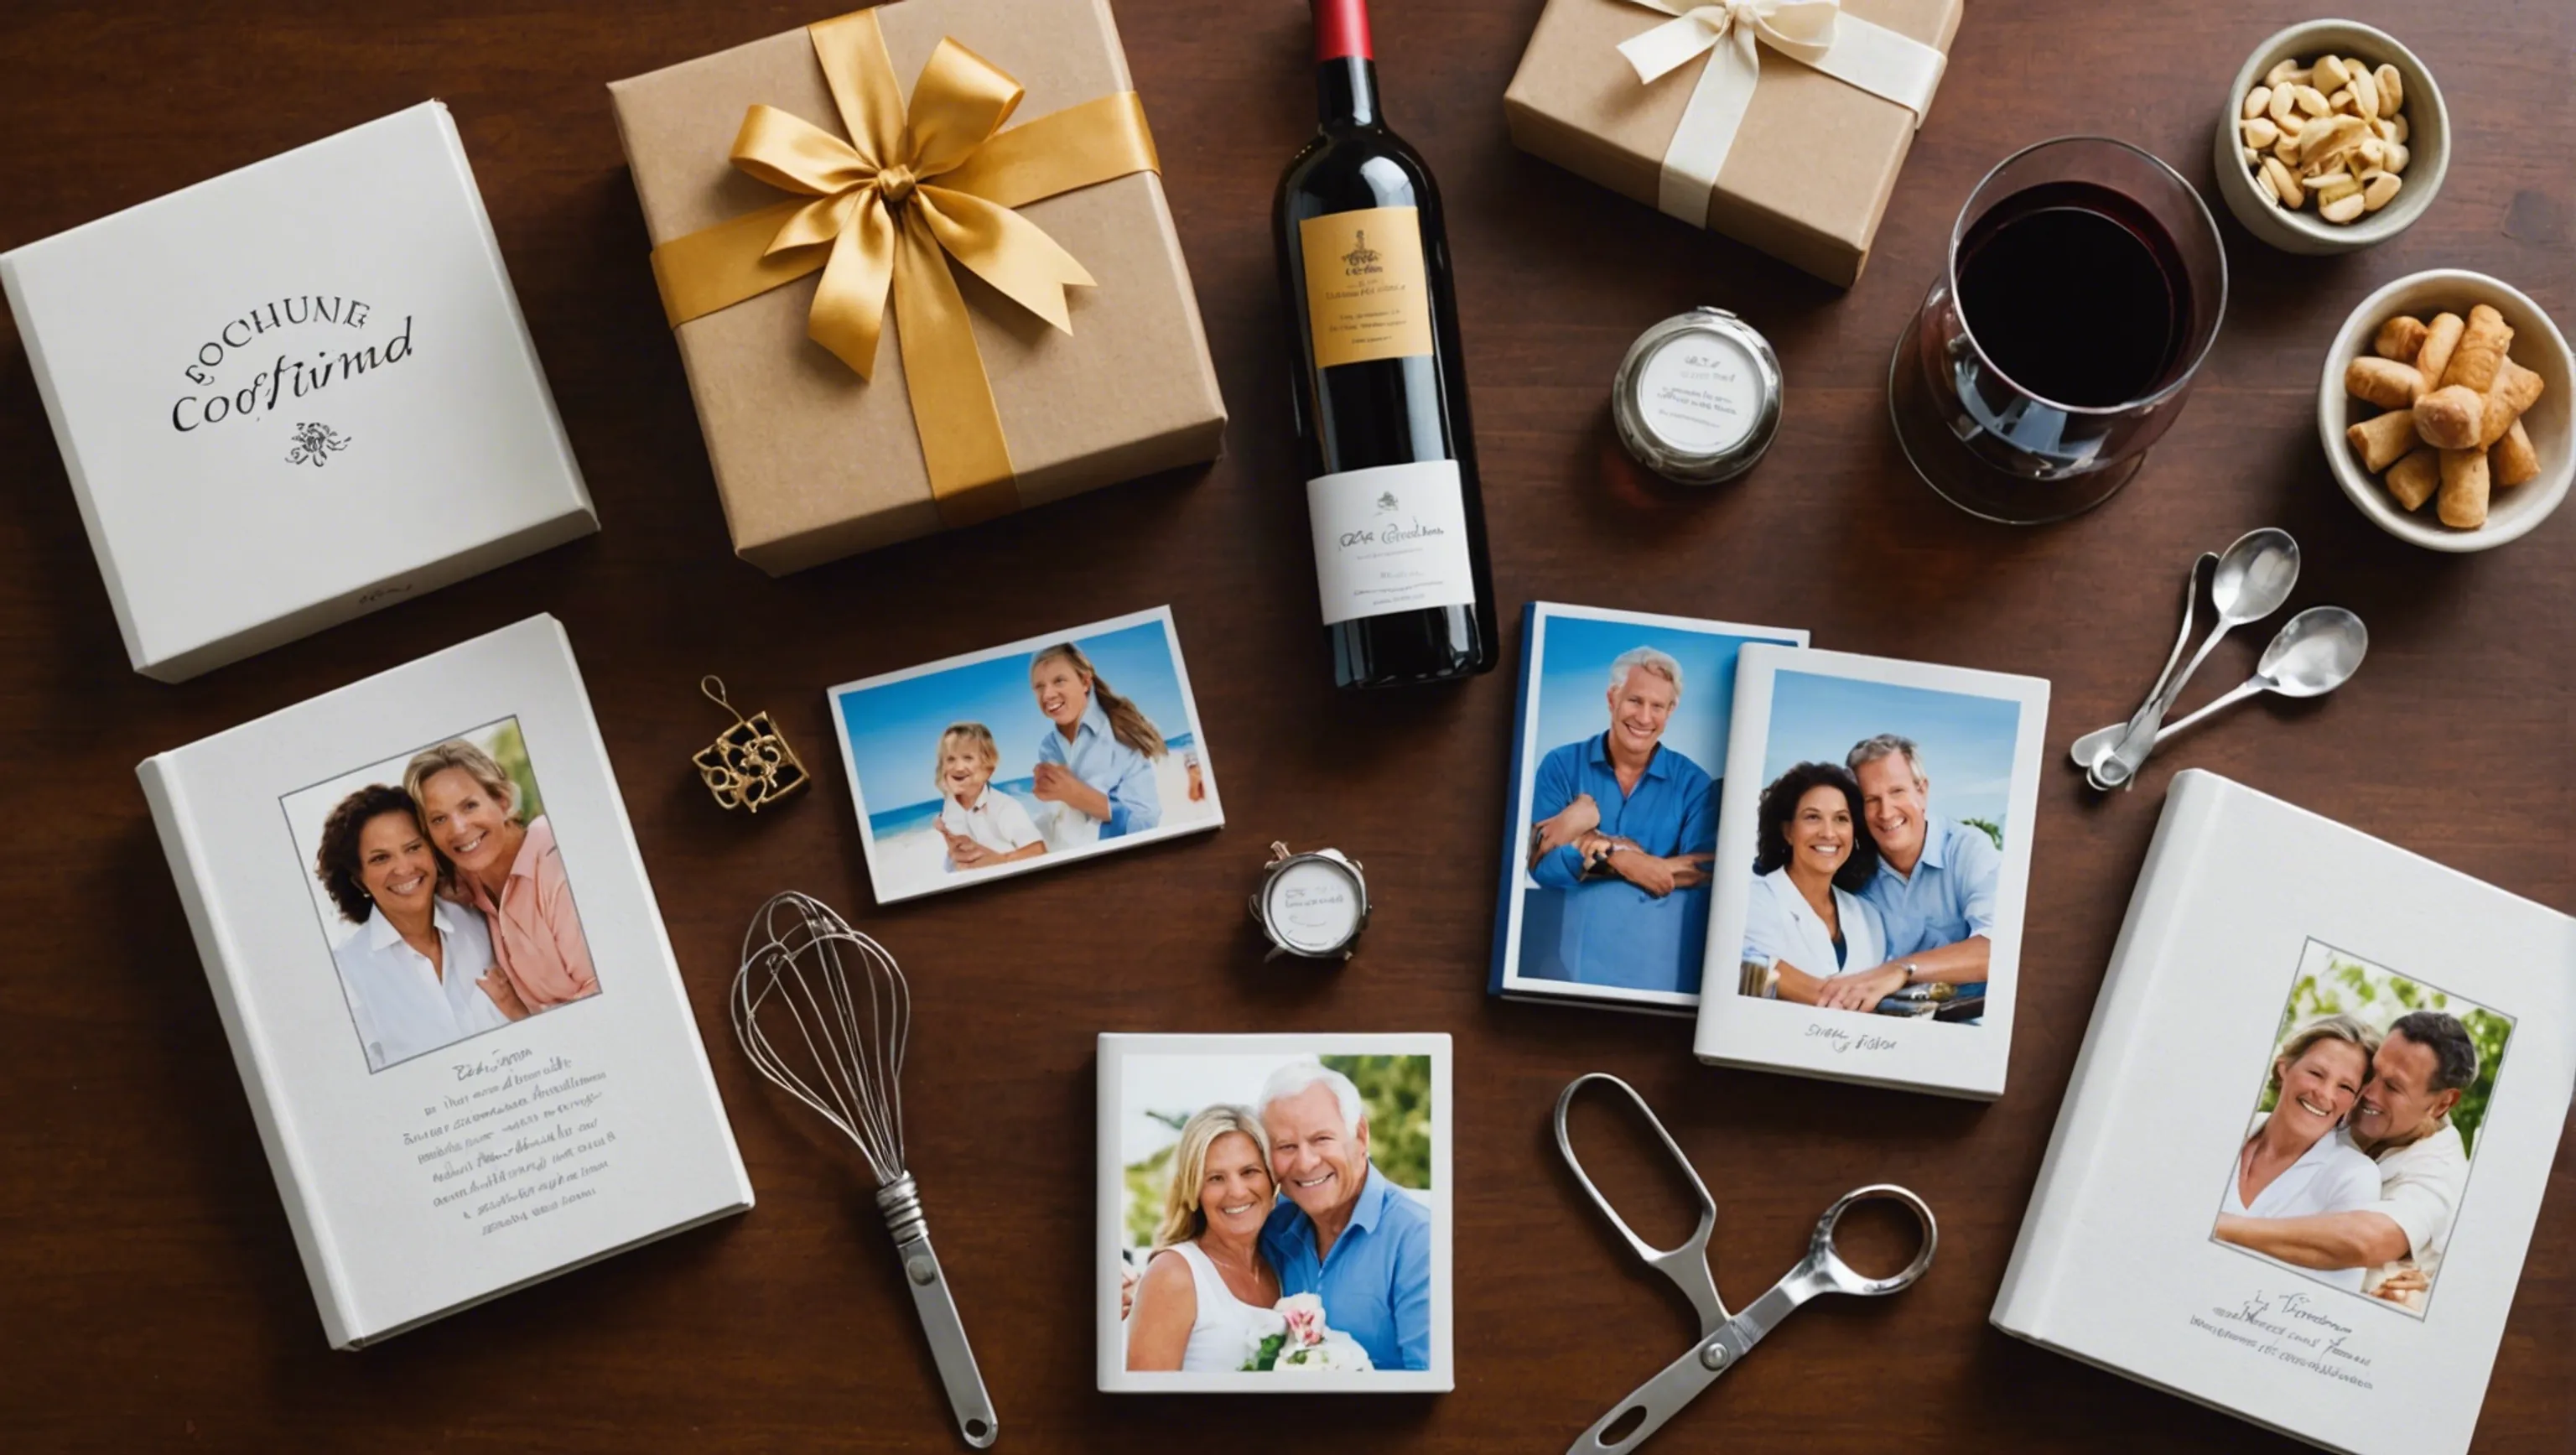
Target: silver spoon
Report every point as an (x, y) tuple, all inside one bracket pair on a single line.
[(2314, 653), (2088, 749), (2254, 577)]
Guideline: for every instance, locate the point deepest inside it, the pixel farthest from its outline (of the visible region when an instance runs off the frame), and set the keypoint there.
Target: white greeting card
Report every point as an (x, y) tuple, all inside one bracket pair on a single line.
[(464, 1038), (295, 393), (1873, 856)]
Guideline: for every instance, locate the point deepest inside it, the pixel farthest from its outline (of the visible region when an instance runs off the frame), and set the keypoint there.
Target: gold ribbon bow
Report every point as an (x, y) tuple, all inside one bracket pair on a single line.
[(906, 187)]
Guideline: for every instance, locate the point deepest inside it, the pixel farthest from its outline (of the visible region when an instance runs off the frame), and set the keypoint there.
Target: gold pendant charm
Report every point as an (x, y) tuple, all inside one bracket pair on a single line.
[(750, 765)]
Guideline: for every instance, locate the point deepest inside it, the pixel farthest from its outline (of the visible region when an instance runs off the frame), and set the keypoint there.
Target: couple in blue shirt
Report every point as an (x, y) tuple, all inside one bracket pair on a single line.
[(1925, 914)]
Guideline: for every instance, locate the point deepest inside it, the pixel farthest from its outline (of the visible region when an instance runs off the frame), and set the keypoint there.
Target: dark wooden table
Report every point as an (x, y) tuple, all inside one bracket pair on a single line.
[(148, 1289)]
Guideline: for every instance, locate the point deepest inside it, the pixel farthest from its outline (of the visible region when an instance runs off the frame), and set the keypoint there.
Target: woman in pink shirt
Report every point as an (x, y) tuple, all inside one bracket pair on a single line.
[(509, 870)]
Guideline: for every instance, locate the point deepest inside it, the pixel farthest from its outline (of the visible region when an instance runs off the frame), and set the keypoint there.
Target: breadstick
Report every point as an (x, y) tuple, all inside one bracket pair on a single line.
[(2414, 479), (2464, 489), (2400, 338), (2513, 391), (2440, 338), (2449, 417), (2384, 382), (2383, 439), (2514, 461), (2481, 351)]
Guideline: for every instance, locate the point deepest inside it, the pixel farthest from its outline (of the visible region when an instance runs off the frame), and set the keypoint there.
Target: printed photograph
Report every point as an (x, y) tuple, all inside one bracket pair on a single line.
[(442, 897), (1879, 847), (2365, 1127), (1028, 755), (1276, 1211), (1622, 754)]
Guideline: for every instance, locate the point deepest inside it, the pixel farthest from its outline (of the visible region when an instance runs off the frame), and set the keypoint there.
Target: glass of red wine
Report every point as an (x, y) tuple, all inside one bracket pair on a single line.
[(2085, 285)]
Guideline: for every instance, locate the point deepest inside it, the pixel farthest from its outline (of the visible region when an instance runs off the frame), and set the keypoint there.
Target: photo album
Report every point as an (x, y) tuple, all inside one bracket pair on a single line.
[(1618, 756), (1025, 756), (1274, 1214), (2306, 1141), (1872, 859), (446, 982)]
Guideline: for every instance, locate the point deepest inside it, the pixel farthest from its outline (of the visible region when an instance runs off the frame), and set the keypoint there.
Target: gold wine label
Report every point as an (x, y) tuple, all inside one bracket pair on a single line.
[(1367, 294)]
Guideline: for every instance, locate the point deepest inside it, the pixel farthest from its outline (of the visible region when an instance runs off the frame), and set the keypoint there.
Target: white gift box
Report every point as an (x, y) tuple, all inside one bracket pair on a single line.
[(295, 393)]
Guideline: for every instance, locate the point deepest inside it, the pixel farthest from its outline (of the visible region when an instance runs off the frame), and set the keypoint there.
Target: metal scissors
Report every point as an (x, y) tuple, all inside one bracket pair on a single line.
[(1724, 1339)]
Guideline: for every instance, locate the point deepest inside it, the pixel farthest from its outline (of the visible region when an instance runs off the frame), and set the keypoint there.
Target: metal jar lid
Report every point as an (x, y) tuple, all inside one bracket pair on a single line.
[(1311, 905), (1697, 400)]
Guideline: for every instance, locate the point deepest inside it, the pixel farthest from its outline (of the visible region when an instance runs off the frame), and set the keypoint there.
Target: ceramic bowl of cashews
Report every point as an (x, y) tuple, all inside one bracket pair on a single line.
[(2444, 411), (2333, 138)]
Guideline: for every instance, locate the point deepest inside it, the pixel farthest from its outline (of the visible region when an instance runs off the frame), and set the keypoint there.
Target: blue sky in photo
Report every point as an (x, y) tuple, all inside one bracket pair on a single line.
[(1965, 741), (1574, 682), (894, 729)]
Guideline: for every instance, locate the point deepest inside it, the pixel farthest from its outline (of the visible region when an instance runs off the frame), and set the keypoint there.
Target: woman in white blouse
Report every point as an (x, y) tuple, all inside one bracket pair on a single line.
[(418, 967), (1203, 1294), (1810, 853), (2294, 1163)]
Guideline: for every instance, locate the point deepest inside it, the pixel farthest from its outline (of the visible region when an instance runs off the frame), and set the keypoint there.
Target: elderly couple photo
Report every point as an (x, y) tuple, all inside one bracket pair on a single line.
[(446, 896), (1026, 753), (1288, 1231), (2356, 1162), (1623, 735)]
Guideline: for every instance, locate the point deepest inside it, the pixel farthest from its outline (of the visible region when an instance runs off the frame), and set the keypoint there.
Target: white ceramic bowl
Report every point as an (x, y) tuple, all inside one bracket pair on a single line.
[(2428, 141), (2537, 345)]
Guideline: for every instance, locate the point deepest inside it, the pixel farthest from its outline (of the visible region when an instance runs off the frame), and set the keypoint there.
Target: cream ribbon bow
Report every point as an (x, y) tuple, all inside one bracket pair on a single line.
[(1732, 33)]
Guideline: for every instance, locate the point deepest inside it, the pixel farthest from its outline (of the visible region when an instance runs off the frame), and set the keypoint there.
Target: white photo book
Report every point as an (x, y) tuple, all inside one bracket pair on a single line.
[(2308, 1134), (1873, 858), (294, 393), (446, 983), (1274, 1214)]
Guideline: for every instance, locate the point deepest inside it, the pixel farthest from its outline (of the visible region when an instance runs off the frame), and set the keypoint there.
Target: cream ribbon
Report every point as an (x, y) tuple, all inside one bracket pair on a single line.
[(1731, 33)]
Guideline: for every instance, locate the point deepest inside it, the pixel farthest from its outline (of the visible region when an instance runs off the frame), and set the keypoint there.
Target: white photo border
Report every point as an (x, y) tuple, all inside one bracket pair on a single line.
[(836, 698), (1109, 1191)]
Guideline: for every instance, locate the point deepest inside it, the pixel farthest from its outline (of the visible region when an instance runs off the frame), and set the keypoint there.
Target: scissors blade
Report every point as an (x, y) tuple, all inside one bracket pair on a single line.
[(1659, 1398)]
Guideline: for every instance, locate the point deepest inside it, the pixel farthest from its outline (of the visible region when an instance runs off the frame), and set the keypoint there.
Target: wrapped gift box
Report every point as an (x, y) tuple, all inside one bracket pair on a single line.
[(294, 393), (814, 462), (1810, 170)]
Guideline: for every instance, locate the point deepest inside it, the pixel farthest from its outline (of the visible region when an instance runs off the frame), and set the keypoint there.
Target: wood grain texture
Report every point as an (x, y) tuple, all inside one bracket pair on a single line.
[(147, 1282)]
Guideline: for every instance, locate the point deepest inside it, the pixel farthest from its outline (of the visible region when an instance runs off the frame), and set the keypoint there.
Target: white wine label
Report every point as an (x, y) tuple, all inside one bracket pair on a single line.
[(1392, 538), (1700, 393)]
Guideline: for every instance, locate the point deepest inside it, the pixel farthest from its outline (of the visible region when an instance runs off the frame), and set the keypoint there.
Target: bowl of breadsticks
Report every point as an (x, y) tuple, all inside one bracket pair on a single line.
[(2444, 411)]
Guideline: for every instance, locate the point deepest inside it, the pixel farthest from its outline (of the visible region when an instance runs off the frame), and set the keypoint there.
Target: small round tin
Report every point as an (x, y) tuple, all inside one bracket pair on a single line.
[(1697, 400), (1311, 905)]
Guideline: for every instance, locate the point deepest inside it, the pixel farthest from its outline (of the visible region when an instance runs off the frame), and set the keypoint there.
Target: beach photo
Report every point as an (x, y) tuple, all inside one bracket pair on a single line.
[(1621, 756), (999, 762), (444, 903), (1883, 826), (1274, 1212), (2365, 1127)]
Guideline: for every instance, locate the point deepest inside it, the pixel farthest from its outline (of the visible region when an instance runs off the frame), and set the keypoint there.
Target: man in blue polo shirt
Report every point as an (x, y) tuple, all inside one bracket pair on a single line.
[(1626, 828), (1345, 1233), (1935, 885)]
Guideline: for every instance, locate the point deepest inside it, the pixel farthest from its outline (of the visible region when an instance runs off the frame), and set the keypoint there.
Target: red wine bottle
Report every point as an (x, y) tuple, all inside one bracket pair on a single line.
[(1380, 393)]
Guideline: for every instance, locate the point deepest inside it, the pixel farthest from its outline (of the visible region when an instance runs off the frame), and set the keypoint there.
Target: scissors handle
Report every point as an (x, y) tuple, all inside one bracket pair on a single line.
[(1686, 1264)]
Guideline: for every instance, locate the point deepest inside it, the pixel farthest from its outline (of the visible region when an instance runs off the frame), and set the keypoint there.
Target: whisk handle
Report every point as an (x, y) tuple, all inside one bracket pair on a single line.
[(900, 1200)]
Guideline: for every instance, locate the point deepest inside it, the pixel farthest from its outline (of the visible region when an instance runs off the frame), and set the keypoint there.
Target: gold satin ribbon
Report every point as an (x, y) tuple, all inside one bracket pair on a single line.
[(876, 225)]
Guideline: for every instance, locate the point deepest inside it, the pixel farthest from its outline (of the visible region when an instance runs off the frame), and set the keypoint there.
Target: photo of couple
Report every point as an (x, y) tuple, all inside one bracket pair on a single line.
[(442, 893), (1622, 746), (1871, 891), (2358, 1156), (1097, 767), (1276, 1213)]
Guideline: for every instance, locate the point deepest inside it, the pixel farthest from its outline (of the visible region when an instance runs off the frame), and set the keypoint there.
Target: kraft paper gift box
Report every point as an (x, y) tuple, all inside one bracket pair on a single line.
[(812, 460), (294, 393), (1808, 171)]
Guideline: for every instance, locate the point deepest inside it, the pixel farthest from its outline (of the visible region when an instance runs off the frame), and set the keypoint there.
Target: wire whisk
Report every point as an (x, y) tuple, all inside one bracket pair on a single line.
[(824, 1012)]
